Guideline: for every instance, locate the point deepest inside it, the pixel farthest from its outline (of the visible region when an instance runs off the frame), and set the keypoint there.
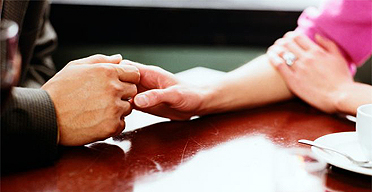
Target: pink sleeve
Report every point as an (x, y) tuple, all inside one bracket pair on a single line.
[(346, 22)]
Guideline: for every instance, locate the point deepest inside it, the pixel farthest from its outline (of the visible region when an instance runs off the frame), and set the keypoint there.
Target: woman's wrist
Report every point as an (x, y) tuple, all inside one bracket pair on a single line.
[(349, 96), (209, 95), (338, 99)]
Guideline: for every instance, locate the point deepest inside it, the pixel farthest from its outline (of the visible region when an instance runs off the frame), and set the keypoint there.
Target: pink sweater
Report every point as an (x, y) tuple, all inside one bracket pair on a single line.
[(347, 22)]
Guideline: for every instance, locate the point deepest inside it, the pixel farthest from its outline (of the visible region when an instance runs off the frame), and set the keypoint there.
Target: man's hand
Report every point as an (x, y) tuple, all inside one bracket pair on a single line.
[(160, 93), (91, 98)]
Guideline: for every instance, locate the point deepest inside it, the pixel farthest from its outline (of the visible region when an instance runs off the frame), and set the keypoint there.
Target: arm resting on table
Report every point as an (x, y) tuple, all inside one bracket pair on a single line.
[(254, 84), (28, 129)]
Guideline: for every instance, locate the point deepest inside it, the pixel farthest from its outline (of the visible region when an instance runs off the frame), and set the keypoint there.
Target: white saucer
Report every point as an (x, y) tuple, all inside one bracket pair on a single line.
[(345, 142)]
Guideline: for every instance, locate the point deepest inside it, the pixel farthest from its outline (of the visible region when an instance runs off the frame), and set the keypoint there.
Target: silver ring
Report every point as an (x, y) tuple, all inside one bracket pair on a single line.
[(289, 58)]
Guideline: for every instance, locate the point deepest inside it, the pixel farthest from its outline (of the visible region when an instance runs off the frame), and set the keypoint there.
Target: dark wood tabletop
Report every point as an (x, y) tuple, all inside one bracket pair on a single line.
[(121, 163)]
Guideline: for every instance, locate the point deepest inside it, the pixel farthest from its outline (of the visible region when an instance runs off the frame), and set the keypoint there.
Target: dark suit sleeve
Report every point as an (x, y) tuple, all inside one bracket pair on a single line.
[(38, 40), (28, 129), (28, 123)]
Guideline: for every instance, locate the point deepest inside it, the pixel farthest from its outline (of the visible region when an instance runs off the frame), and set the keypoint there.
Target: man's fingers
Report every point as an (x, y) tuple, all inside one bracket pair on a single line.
[(148, 77), (153, 77), (120, 128), (127, 90), (150, 69), (99, 58), (129, 62), (124, 73), (127, 73), (126, 108)]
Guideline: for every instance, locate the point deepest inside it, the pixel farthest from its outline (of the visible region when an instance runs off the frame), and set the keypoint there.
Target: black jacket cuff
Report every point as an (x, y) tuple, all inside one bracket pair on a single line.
[(28, 129)]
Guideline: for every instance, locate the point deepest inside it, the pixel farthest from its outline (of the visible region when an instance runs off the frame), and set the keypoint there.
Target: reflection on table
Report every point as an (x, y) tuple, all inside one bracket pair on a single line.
[(248, 150)]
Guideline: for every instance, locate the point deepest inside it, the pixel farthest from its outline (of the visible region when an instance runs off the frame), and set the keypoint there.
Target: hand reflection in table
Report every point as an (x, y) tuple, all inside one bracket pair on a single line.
[(100, 165), (163, 147), (129, 162)]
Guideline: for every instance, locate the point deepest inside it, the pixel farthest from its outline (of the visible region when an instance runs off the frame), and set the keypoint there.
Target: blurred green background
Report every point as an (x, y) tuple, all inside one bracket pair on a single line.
[(175, 39), (179, 58), (172, 58)]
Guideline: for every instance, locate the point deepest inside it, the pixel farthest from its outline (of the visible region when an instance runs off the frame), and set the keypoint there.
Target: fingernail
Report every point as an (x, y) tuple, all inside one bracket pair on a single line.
[(141, 101), (125, 61), (116, 56), (318, 36)]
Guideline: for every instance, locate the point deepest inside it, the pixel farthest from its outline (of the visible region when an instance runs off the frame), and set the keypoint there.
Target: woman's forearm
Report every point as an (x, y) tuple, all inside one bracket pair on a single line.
[(254, 84)]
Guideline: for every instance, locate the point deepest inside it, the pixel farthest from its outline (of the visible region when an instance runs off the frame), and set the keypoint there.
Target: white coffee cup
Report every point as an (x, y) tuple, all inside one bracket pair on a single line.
[(364, 129)]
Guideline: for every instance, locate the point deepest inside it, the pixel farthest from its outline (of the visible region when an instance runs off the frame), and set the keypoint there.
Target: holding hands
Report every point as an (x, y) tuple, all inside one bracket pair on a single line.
[(91, 96), (161, 93)]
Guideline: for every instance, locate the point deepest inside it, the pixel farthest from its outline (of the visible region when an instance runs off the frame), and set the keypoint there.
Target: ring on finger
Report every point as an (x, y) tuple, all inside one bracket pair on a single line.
[(289, 58)]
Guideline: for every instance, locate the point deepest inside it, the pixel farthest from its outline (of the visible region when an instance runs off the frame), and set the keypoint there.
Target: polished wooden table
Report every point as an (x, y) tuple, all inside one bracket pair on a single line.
[(115, 165), (153, 148)]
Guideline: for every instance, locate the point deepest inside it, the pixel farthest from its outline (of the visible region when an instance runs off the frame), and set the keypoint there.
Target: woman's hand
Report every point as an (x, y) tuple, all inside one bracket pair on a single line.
[(319, 72)]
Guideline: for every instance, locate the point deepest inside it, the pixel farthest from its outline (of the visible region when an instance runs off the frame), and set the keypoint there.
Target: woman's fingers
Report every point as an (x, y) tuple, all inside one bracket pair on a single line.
[(327, 44), (289, 44), (279, 64), (274, 58), (303, 41)]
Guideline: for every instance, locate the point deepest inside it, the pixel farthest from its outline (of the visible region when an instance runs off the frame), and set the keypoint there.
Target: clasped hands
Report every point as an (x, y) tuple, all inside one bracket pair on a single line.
[(93, 95)]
